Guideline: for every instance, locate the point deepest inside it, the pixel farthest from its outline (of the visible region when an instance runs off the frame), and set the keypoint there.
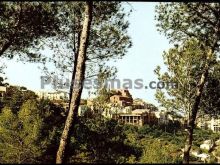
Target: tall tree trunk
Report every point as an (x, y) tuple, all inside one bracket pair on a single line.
[(192, 117), (76, 53), (75, 62), (77, 88)]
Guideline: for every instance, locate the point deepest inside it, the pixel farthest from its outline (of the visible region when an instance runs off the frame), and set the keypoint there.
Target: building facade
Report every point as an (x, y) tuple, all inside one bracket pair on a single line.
[(206, 122), (162, 117), (57, 95), (2, 91), (137, 117), (215, 124), (122, 98)]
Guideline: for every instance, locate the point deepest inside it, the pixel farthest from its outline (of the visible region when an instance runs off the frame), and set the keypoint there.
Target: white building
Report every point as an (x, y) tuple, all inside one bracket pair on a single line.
[(161, 116), (56, 95), (204, 157), (207, 145), (136, 117), (110, 110), (206, 122), (2, 91), (215, 124)]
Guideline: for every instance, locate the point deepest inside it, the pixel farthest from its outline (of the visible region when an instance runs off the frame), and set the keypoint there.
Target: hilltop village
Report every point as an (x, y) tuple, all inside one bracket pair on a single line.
[(121, 106)]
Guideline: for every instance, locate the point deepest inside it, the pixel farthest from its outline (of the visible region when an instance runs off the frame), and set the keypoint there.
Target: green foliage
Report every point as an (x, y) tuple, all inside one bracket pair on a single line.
[(150, 140), (108, 39), (217, 152), (37, 126), (159, 146), (194, 26), (157, 151), (1, 81), (180, 21), (202, 135), (185, 64), (30, 128), (211, 102), (102, 93), (29, 22), (105, 143), (53, 118), (14, 97), (20, 138)]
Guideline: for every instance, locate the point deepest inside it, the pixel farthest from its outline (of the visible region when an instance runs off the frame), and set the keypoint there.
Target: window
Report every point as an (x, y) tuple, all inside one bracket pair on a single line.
[(216, 129)]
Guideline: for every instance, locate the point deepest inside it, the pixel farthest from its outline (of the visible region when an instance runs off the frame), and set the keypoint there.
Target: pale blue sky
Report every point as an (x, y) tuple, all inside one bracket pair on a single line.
[(139, 62)]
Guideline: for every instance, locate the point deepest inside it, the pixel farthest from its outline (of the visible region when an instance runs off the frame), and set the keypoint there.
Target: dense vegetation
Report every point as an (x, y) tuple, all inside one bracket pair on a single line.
[(30, 133)]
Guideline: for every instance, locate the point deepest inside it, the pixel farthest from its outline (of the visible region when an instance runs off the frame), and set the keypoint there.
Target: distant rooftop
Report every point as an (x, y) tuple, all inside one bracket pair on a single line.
[(2, 89), (140, 111)]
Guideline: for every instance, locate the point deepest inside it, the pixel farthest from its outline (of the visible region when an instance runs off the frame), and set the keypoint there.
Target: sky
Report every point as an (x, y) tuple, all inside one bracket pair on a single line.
[(138, 63)]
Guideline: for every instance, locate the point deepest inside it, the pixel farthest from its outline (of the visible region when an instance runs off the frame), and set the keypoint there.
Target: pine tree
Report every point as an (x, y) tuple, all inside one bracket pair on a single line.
[(20, 137), (181, 21)]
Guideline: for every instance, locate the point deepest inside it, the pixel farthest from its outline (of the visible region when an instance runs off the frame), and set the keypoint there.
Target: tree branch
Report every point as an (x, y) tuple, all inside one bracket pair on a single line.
[(10, 41)]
